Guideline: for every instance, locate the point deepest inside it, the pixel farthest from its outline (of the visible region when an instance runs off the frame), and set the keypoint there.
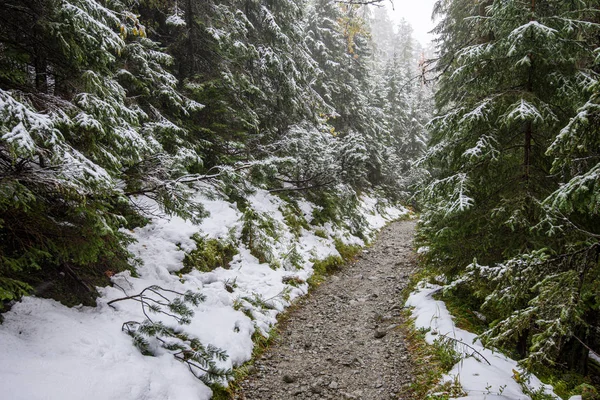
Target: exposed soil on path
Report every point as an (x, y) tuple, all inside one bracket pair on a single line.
[(344, 341)]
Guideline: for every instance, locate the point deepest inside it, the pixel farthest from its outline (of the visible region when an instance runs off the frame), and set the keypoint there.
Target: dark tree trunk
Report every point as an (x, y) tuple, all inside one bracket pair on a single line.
[(41, 72), (527, 151), (522, 344), (575, 356)]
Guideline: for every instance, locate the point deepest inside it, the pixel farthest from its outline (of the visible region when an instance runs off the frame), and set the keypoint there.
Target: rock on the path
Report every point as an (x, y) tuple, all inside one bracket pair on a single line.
[(379, 334), (317, 389), (251, 370)]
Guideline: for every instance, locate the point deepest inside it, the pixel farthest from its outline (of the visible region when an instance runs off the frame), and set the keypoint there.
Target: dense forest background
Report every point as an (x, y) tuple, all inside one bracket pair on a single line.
[(103, 101)]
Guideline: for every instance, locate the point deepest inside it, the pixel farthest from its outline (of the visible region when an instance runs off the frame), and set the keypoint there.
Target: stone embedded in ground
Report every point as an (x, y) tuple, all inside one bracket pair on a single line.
[(298, 391), (251, 369), (379, 334), (289, 378), (316, 389)]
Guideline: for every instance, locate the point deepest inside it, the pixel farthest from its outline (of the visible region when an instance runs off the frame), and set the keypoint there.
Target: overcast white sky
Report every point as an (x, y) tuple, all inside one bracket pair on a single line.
[(417, 13)]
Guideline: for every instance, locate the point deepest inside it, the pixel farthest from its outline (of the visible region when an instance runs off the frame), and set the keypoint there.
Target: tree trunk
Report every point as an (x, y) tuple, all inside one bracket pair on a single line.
[(575, 356), (522, 344), (527, 151), (41, 73)]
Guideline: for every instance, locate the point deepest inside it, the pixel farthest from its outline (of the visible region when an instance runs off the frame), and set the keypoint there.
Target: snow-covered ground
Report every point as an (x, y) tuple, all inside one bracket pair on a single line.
[(478, 379), (49, 351)]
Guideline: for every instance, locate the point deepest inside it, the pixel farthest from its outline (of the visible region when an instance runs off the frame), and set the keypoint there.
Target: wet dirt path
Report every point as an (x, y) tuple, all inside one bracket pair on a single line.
[(343, 341)]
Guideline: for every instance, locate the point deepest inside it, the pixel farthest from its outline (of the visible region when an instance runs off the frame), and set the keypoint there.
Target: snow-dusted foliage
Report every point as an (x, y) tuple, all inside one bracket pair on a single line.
[(86, 108), (116, 115), (513, 162), (376, 108), (480, 369)]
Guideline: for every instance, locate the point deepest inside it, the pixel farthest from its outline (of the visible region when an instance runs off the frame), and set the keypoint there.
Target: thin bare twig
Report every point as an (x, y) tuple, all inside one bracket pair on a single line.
[(365, 2), (302, 187), (465, 344), (587, 347)]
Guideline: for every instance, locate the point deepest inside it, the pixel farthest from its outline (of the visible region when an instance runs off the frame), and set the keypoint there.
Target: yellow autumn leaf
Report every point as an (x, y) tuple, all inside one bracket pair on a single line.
[(516, 375)]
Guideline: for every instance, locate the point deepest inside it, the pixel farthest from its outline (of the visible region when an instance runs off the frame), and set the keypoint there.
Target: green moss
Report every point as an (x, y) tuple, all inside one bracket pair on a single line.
[(587, 392), (566, 383), (321, 233), (331, 264), (462, 307), (293, 280), (219, 392), (208, 255), (293, 218), (323, 268), (347, 251)]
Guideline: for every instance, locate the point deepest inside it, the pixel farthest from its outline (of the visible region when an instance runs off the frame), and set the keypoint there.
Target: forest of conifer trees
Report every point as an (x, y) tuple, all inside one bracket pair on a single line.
[(492, 135), (103, 101)]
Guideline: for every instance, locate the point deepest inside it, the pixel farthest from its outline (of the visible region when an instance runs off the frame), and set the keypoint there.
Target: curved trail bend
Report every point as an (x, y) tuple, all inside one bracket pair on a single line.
[(343, 341)]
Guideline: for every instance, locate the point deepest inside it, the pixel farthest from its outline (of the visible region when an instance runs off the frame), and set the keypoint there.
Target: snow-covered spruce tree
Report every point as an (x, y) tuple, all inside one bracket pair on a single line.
[(574, 211), (337, 36), (561, 315), (405, 109), (308, 158), (512, 73), (382, 34), (246, 61), (85, 100)]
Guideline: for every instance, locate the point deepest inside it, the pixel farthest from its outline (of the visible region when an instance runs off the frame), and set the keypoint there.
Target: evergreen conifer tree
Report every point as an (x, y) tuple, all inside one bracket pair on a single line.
[(512, 74), (86, 101)]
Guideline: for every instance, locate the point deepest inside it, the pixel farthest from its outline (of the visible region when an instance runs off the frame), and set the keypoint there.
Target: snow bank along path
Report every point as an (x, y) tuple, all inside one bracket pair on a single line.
[(343, 341), (478, 379), (48, 351)]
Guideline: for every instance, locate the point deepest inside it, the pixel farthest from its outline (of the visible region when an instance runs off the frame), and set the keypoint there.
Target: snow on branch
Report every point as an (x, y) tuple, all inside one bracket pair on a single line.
[(453, 192), (365, 2), (149, 334), (533, 29), (524, 110)]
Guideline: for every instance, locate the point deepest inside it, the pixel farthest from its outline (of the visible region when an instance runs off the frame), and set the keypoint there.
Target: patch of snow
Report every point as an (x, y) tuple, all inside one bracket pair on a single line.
[(50, 351), (423, 250), (478, 379), (594, 357), (307, 209), (175, 20), (379, 214)]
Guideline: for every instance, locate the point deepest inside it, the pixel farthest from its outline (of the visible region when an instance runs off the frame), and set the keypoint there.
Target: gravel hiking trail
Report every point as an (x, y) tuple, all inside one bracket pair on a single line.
[(343, 340)]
